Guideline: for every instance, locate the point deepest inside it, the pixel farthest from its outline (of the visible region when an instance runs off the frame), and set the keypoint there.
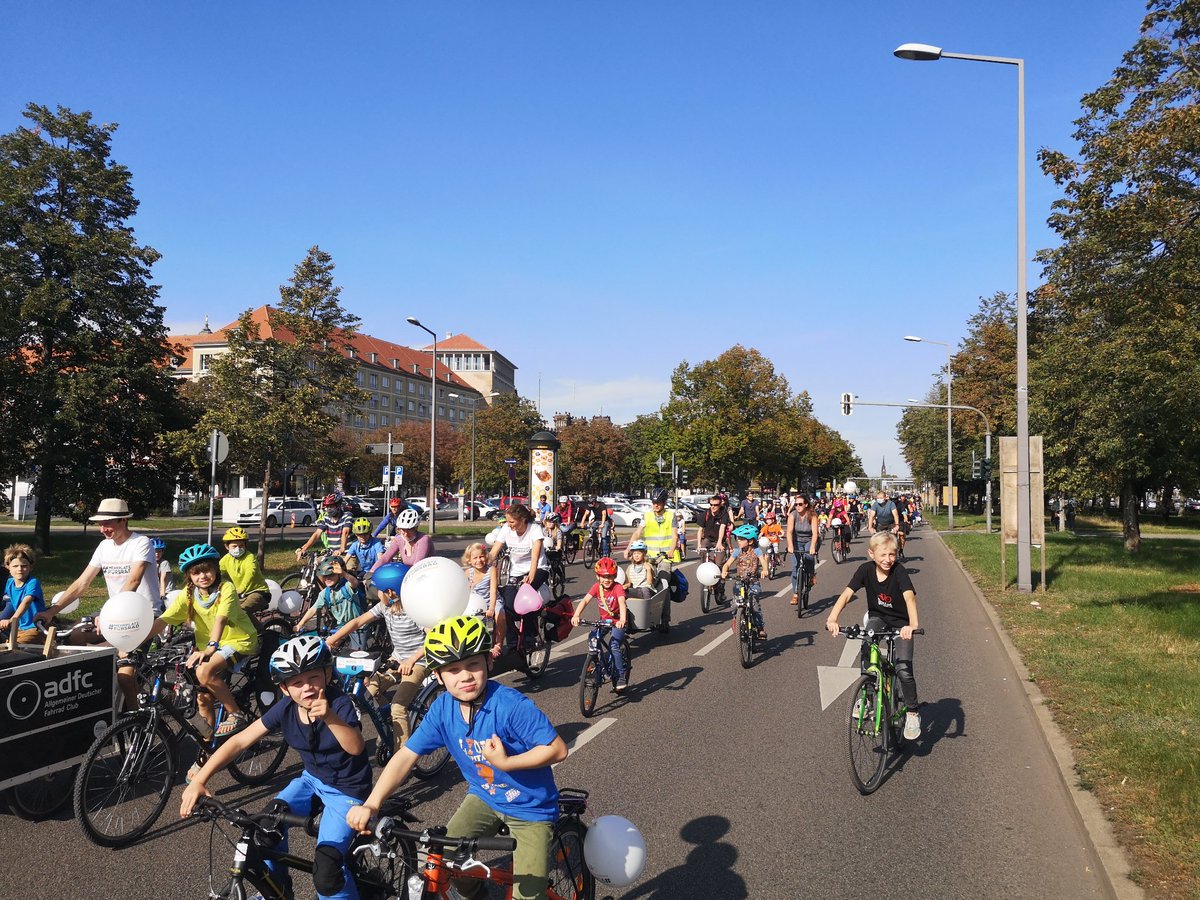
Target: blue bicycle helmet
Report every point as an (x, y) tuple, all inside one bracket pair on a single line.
[(389, 576), (746, 532), (158, 544), (197, 553)]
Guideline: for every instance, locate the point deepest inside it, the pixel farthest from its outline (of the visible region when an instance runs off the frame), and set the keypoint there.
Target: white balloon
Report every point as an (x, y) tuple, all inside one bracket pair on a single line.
[(434, 589), (70, 607), (125, 620), (492, 536), (708, 574), (614, 851), (764, 542), (850, 487), (290, 602), (620, 575), (276, 591)]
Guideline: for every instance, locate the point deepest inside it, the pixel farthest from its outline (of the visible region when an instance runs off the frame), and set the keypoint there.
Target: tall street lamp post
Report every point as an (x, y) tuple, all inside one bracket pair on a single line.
[(413, 320), (923, 53), (949, 432)]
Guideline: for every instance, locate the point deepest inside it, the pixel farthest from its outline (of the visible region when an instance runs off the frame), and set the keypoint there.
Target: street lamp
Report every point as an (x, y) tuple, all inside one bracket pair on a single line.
[(925, 52), (413, 320), (474, 407), (987, 445), (949, 433)]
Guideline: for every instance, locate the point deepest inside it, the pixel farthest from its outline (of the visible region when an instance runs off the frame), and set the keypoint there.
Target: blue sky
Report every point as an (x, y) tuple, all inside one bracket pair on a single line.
[(597, 189)]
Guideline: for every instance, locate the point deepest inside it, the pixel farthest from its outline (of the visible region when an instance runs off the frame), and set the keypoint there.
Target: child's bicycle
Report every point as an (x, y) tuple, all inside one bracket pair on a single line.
[(598, 664), (431, 859), (743, 618), (126, 776), (773, 559), (377, 876), (876, 714), (808, 565), (353, 671), (714, 595)]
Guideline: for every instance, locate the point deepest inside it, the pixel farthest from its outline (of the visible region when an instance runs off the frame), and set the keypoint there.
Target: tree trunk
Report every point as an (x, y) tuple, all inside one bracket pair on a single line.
[(1166, 502), (44, 491), (1129, 516), (262, 519)]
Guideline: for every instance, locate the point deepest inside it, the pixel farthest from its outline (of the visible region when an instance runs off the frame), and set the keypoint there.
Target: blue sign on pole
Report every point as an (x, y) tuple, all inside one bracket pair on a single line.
[(397, 476)]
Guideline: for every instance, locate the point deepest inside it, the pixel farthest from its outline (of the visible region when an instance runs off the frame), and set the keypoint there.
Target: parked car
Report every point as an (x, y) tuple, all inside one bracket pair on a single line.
[(624, 515), (361, 506), (281, 512), (449, 510)]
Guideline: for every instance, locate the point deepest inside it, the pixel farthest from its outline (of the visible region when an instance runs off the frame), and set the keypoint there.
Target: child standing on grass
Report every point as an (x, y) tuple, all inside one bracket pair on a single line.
[(22, 594), (891, 602)]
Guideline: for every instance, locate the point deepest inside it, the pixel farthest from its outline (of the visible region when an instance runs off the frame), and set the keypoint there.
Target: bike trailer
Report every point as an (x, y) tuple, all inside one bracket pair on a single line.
[(51, 710), (647, 613)]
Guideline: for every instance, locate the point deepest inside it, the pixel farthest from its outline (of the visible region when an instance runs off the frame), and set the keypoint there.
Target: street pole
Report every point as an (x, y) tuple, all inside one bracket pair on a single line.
[(387, 485), (412, 320), (926, 53)]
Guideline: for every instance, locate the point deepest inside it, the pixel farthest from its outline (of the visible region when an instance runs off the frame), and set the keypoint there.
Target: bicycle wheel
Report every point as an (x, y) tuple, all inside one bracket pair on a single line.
[(433, 762), (589, 553), (260, 761), (868, 736), (374, 727), (772, 566), (589, 683), (570, 549), (537, 659), (125, 780), (839, 551), (558, 581), (570, 878), (44, 795), (745, 630)]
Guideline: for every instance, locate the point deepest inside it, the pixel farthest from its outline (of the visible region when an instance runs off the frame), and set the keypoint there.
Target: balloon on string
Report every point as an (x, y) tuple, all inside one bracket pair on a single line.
[(708, 574), (70, 607), (614, 851), (276, 591), (290, 602), (527, 601), (125, 620), (433, 590)]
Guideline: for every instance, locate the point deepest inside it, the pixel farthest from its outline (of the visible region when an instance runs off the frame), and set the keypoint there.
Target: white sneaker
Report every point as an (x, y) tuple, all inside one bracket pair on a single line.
[(912, 726)]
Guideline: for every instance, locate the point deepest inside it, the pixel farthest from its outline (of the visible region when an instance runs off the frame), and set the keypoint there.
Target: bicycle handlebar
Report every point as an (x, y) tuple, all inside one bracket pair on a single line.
[(212, 808), (609, 624), (388, 830), (857, 631)]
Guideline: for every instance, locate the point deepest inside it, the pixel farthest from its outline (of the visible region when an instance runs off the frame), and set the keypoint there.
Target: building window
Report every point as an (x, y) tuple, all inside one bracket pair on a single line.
[(358, 421), (487, 362), (383, 420), (384, 401), (410, 406), (374, 380), (387, 382), (202, 362), (372, 420), (374, 402), (358, 378), (420, 390), (442, 411), (421, 409), (410, 387)]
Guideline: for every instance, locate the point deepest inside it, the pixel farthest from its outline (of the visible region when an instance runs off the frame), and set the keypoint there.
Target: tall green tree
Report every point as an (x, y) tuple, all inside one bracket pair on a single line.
[(592, 457), (1118, 318), (502, 431), (85, 365), (281, 392), (647, 438)]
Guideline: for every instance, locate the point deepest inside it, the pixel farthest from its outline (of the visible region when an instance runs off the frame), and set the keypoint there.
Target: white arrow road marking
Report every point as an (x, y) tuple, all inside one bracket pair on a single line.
[(585, 736), (833, 680)]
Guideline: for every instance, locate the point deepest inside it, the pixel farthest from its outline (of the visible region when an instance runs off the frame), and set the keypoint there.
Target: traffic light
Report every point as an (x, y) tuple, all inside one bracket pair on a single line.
[(977, 468), (683, 477), (986, 469), (847, 403)]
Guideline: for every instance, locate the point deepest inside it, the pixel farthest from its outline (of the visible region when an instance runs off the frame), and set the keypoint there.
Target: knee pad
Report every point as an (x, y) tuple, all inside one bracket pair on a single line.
[(329, 875)]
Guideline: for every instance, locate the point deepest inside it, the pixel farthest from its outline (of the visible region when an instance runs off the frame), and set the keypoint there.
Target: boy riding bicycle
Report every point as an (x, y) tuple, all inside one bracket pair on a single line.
[(891, 602), (505, 747)]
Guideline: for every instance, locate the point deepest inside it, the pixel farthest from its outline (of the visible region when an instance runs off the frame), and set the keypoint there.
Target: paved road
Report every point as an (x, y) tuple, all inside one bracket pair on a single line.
[(738, 778)]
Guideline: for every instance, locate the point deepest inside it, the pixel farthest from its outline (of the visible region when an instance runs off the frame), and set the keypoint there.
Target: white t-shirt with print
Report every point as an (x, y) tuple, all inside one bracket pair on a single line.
[(117, 560), (520, 548)]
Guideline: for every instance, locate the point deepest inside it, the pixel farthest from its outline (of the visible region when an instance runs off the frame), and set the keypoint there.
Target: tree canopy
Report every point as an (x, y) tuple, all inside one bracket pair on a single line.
[(88, 392)]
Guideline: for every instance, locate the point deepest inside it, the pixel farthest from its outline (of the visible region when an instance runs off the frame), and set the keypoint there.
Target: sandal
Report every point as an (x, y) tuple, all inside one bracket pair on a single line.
[(232, 725), (795, 599)]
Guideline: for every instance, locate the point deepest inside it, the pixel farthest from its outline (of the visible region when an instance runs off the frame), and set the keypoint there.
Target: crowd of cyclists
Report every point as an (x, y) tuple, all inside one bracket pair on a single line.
[(503, 743)]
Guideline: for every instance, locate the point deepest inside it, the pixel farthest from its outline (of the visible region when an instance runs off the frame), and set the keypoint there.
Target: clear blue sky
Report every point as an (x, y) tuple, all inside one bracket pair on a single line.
[(597, 189)]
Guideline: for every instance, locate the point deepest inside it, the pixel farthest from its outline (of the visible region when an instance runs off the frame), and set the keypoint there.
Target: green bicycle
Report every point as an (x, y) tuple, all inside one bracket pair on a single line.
[(876, 713)]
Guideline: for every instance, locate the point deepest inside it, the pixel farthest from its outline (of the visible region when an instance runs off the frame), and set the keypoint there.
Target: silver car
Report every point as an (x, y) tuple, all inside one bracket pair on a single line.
[(281, 512)]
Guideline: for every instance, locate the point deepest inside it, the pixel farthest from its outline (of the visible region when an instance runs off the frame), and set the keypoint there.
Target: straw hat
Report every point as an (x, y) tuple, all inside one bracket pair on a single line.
[(111, 508)]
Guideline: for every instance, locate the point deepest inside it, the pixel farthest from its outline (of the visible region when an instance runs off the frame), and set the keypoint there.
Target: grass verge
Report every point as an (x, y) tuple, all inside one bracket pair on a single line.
[(1114, 644)]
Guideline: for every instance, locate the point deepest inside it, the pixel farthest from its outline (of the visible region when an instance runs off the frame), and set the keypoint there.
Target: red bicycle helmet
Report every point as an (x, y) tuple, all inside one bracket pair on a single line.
[(331, 500), (606, 566)]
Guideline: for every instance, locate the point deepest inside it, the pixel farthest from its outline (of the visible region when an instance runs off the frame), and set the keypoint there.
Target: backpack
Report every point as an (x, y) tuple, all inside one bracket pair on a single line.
[(679, 587)]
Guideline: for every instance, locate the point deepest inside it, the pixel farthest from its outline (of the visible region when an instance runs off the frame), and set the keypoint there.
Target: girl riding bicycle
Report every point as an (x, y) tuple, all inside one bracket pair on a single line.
[(750, 565)]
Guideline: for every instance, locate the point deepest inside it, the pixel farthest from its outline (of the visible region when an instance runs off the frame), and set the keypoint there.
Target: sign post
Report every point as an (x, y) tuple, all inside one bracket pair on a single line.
[(218, 449), (511, 462)]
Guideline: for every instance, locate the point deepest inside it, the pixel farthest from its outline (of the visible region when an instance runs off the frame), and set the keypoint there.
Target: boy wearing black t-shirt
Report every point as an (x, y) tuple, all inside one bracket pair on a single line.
[(892, 601)]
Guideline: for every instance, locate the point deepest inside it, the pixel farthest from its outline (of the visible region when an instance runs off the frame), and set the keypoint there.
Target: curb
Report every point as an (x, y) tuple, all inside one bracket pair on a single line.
[(1111, 855)]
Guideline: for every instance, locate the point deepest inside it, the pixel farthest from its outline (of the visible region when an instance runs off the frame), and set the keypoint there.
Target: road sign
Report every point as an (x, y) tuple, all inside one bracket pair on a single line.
[(222, 445), (510, 461), (382, 449), (397, 476)]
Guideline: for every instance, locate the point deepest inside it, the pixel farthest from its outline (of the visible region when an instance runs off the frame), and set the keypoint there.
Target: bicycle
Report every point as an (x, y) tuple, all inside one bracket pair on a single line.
[(533, 650), (558, 574), (354, 670), (572, 544), (431, 859), (126, 776), (598, 664), (876, 716), (591, 548), (773, 560), (841, 543), (260, 833), (743, 616), (808, 565), (714, 595)]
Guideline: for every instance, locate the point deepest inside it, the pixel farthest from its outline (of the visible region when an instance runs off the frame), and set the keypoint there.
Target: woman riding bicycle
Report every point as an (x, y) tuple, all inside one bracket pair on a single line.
[(527, 565), (803, 542)]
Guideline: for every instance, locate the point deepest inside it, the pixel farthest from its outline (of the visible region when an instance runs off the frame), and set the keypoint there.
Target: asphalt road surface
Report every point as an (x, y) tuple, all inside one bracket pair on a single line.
[(737, 778)]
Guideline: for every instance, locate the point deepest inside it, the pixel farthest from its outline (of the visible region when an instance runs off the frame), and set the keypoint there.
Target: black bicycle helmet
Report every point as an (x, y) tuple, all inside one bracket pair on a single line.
[(659, 495)]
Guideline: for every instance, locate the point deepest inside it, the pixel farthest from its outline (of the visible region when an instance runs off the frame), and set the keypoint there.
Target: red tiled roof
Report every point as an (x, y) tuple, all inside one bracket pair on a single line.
[(457, 342), (364, 345)]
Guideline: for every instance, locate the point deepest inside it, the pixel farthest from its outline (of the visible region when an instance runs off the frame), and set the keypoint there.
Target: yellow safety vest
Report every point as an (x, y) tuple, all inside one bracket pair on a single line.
[(658, 537)]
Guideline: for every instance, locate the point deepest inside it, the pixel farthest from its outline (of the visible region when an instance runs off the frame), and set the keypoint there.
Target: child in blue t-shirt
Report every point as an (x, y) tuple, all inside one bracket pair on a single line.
[(363, 552), (319, 722), (504, 746), (22, 594), (340, 596)]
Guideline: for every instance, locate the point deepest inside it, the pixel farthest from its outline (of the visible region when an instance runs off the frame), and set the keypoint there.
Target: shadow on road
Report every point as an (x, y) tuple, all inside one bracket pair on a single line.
[(710, 863), (940, 720)]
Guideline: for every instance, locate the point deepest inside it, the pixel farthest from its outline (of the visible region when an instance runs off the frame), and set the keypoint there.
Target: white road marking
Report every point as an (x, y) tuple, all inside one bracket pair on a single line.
[(712, 645), (569, 642), (833, 680), (788, 589), (585, 736)]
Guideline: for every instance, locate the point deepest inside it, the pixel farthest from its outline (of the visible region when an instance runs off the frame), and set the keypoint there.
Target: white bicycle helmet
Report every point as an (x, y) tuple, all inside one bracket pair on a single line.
[(408, 518), (299, 655)]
